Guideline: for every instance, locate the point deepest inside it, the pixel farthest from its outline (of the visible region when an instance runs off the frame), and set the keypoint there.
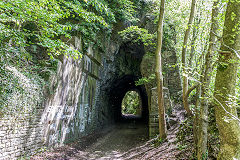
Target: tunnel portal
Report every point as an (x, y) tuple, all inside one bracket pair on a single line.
[(118, 90), (125, 71)]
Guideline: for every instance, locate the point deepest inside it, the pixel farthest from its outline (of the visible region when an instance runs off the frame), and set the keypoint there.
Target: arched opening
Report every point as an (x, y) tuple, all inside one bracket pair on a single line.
[(132, 104), (117, 92), (123, 74)]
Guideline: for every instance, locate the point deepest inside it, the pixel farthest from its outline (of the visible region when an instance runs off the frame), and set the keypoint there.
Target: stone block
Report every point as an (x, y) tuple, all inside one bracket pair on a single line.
[(153, 113)]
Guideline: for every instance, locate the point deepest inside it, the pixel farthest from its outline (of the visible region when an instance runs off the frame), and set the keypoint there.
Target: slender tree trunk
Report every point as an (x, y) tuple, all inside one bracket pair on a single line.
[(208, 67), (184, 66), (159, 76), (225, 108), (196, 118), (195, 34), (194, 37)]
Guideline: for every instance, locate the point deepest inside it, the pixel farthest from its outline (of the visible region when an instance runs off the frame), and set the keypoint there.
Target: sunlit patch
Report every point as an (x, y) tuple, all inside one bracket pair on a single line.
[(131, 104)]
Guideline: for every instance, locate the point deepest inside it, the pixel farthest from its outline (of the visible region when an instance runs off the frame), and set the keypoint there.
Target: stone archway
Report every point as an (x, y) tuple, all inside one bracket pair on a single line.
[(117, 92), (119, 78)]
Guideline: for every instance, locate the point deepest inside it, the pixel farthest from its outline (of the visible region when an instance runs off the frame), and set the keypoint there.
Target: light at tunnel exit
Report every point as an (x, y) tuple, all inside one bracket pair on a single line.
[(131, 104)]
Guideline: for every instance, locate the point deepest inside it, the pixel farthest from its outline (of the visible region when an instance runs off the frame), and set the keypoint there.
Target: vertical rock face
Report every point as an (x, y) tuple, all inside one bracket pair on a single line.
[(71, 111), (87, 93)]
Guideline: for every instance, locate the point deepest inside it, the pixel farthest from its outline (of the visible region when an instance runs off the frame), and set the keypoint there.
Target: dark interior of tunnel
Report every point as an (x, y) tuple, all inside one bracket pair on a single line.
[(118, 90)]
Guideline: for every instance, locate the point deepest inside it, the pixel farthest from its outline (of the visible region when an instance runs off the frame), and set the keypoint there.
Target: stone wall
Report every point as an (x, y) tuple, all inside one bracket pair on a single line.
[(72, 108), (20, 137), (71, 112), (153, 110), (20, 125), (172, 78)]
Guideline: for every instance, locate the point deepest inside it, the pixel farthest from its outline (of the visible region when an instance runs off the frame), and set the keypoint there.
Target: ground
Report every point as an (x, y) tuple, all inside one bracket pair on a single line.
[(128, 141)]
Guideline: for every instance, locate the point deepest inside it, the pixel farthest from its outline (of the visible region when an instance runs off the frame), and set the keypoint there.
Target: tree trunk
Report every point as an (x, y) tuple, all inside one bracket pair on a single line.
[(225, 108), (194, 37), (159, 76), (208, 67), (184, 66), (196, 118), (197, 106), (195, 34)]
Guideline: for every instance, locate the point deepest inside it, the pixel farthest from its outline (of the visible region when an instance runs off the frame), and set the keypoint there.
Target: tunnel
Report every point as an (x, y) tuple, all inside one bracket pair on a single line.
[(125, 72), (118, 90)]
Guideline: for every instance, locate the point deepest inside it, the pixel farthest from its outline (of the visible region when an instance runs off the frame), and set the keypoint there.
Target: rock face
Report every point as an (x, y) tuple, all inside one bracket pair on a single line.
[(86, 95), (71, 110), (88, 92)]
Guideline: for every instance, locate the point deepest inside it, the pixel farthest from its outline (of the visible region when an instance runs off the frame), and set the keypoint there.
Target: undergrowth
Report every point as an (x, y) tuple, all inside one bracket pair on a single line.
[(185, 138)]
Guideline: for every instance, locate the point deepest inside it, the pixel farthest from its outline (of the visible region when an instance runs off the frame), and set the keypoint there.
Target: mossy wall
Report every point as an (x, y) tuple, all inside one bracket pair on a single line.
[(20, 121)]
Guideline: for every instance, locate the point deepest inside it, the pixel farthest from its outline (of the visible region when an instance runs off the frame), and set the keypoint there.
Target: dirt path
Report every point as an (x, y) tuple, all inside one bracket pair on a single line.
[(127, 141), (121, 139)]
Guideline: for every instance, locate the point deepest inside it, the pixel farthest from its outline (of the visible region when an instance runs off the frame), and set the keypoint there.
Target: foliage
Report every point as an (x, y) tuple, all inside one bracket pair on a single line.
[(124, 9), (33, 34), (20, 92), (138, 35), (145, 80), (42, 22), (131, 103)]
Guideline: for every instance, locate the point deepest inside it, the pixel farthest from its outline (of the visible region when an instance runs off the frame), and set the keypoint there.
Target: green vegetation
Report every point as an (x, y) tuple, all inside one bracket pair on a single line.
[(138, 35), (33, 36), (131, 103), (197, 38), (205, 35)]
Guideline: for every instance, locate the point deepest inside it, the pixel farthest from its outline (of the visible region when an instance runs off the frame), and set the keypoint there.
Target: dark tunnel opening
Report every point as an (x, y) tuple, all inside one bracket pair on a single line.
[(123, 74), (118, 90)]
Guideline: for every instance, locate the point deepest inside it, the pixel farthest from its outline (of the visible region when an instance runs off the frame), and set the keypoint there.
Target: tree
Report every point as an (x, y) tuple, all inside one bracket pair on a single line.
[(205, 85), (159, 76), (225, 84), (184, 66)]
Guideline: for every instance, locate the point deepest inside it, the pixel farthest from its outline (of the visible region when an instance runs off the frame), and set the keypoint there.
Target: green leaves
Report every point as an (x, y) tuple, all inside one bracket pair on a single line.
[(131, 103), (137, 35), (46, 20), (233, 15), (145, 80)]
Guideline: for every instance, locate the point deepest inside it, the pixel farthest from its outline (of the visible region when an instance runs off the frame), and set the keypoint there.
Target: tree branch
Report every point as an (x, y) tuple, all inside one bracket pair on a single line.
[(191, 89)]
